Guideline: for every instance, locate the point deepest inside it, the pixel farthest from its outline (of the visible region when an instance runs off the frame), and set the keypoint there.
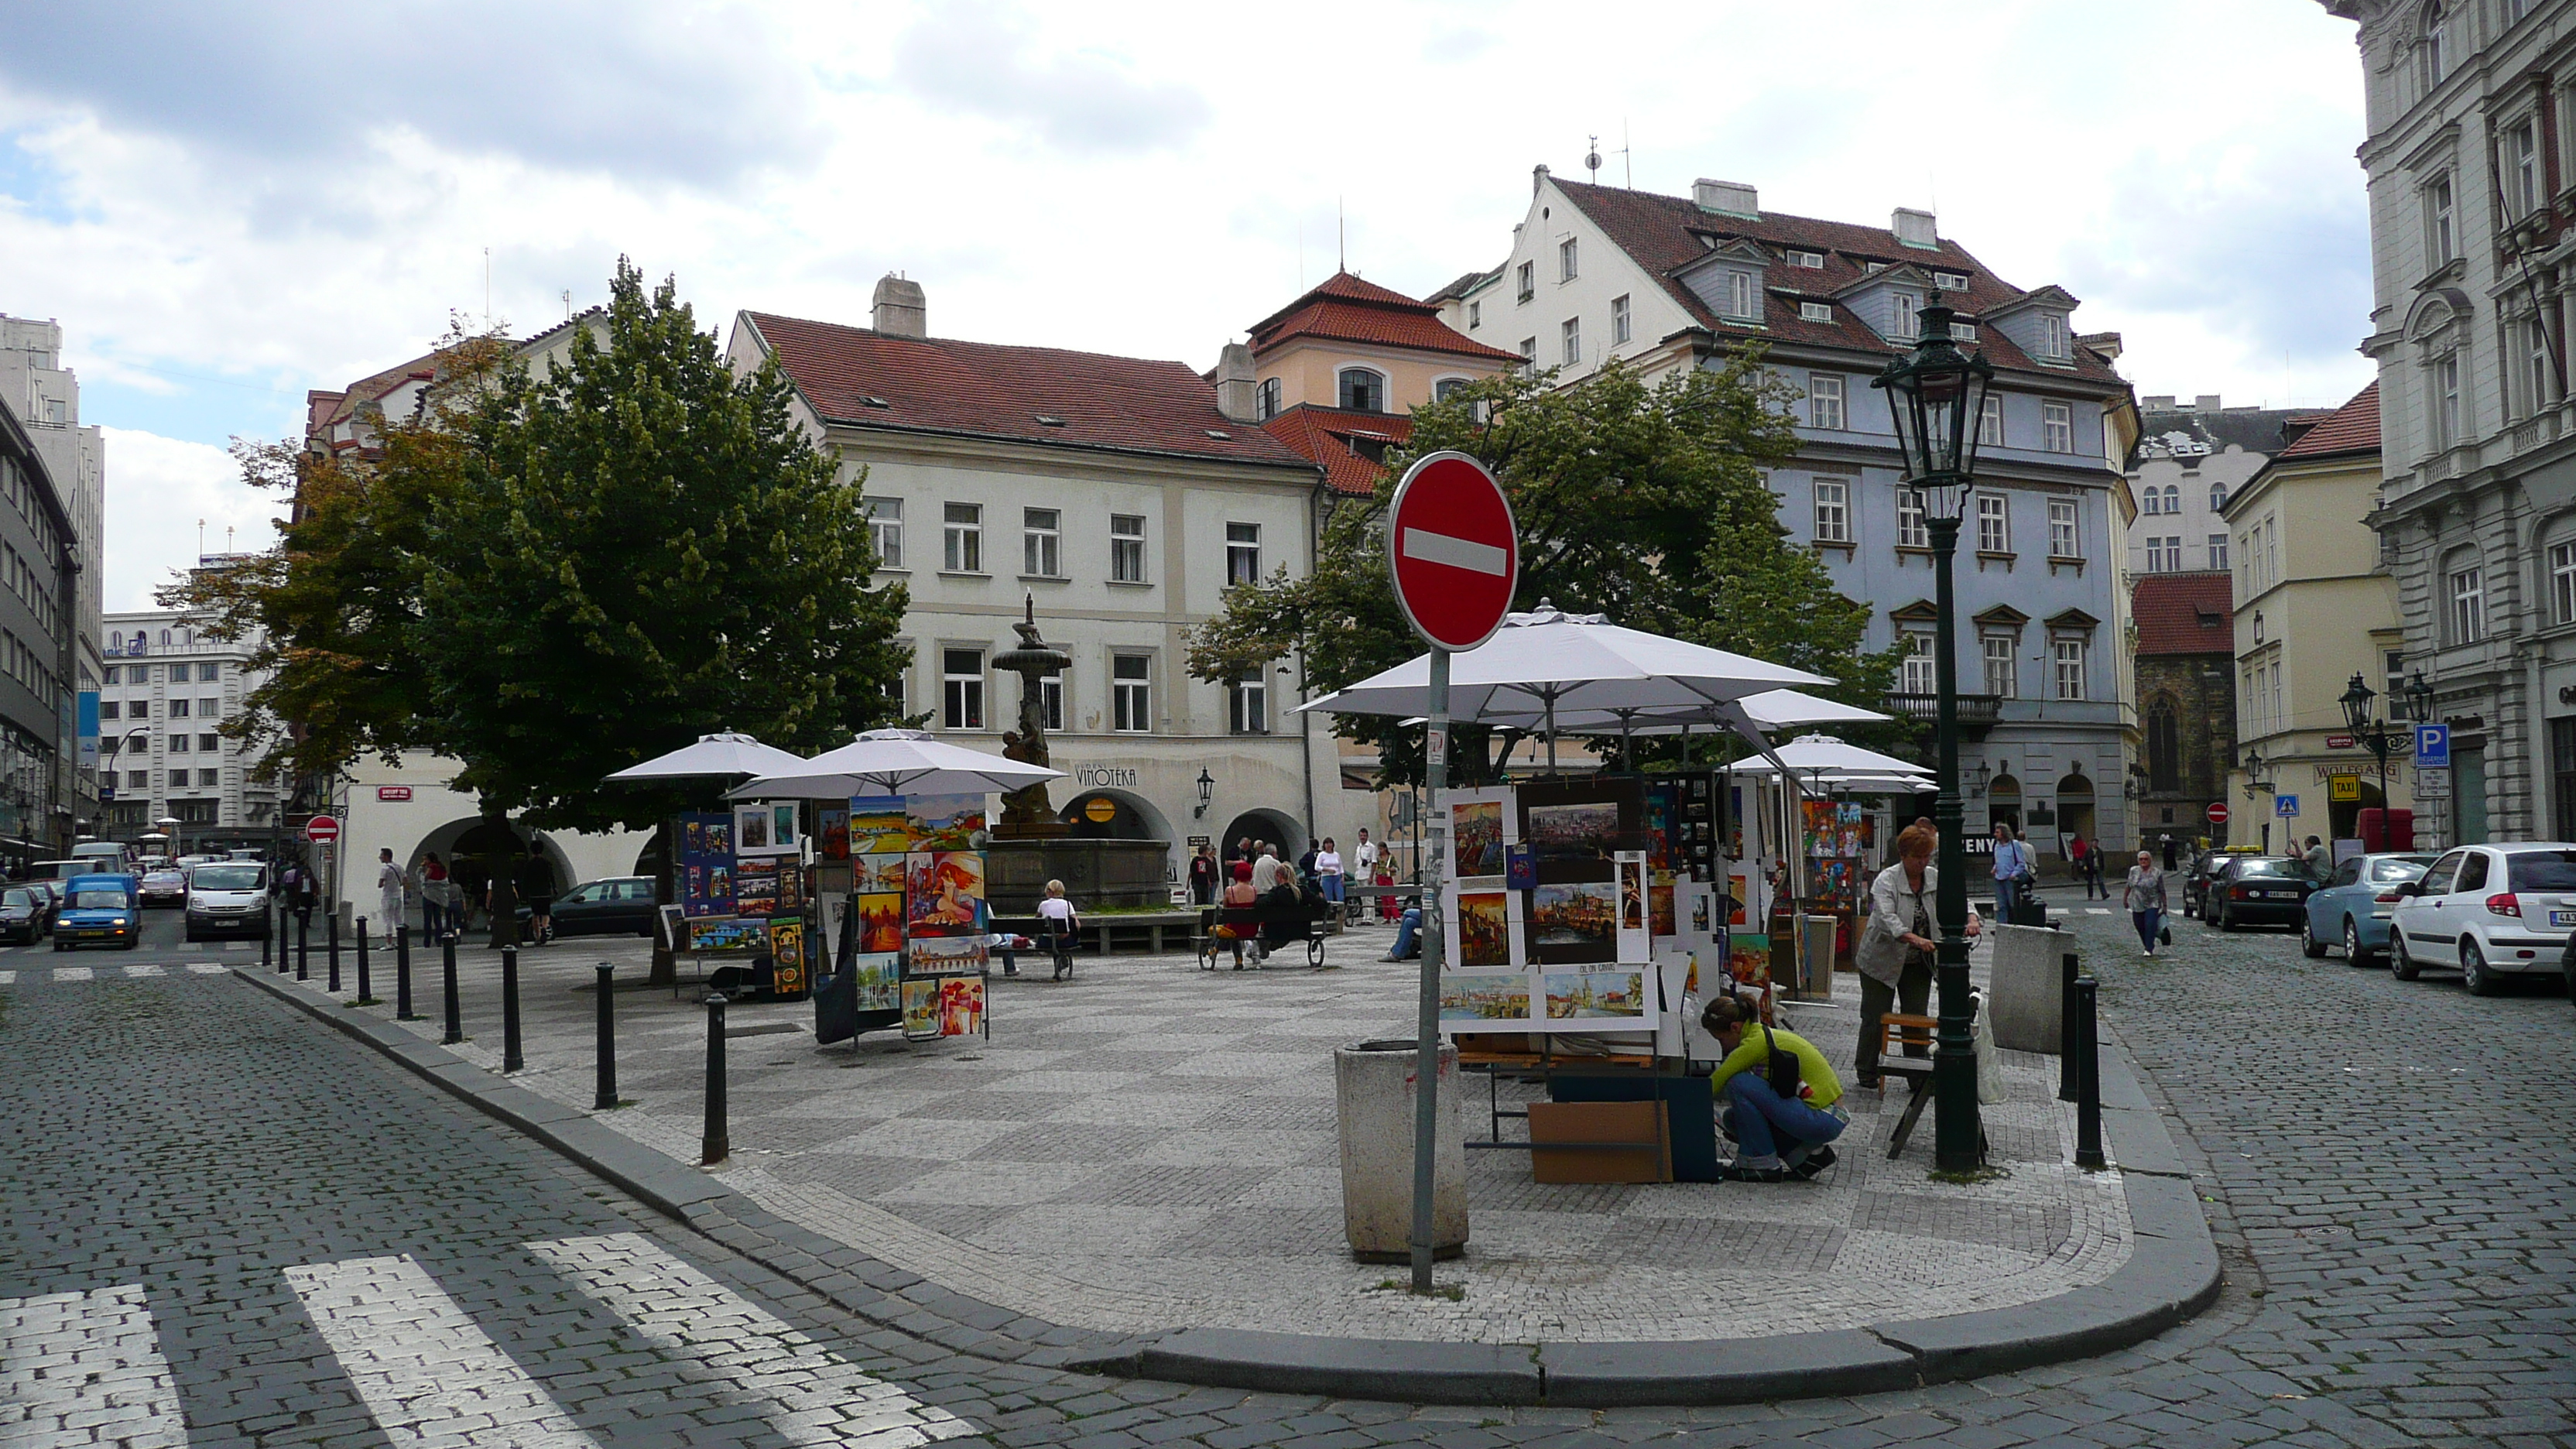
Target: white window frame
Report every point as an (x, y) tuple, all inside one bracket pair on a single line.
[(1815, 312), (1247, 702), (2065, 529), (1127, 548), (1904, 321), (2562, 582), (1242, 553), (1913, 530), (1812, 261), (1528, 279), (1833, 510), (1949, 281), (1990, 421), (1042, 543), (1131, 692), (2468, 604), (2446, 401), (1569, 336), (1566, 270), (1825, 401), (2441, 220), (1529, 354), (2218, 553), (1994, 522), (1475, 314), (2070, 657), (2155, 553), (962, 695), (2539, 372), (1051, 701), (2057, 427), (885, 530), (2054, 343), (2000, 654), (962, 538), (1742, 297), (1918, 670), (1622, 326), (2519, 168)]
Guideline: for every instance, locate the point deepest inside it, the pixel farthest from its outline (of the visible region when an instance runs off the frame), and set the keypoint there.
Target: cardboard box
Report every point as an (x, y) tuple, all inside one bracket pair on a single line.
[(1582, 1135)]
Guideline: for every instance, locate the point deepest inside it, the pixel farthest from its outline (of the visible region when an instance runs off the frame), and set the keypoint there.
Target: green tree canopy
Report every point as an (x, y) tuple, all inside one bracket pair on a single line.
[(1647, 503)]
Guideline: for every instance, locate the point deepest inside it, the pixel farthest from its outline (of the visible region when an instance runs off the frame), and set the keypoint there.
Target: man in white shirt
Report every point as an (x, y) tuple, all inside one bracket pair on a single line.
[(1265, 870), (1364, 856)]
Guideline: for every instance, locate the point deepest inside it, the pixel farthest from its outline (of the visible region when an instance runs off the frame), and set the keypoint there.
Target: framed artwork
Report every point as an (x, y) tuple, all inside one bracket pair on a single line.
[(881, 921), (1636, 940), (944, 955), (783, 835), (879, 977), (1574, 922), (833, 826), (787, 967), (733, 936), (1480, 1001), (876, 872), (1600, 997), (920, 1008), (961, 1006), (946, 822), (945, 889), (751, 829), (1576, 827), (879, 825), (1484, 930), (755, 886)]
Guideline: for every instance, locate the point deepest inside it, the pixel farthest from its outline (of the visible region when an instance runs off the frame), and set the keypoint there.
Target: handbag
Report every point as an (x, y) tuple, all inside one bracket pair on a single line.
[(1781, 1069)]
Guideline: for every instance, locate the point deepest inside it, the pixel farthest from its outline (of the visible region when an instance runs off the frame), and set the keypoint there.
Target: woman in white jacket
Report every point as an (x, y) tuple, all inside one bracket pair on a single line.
[(1895, 950)]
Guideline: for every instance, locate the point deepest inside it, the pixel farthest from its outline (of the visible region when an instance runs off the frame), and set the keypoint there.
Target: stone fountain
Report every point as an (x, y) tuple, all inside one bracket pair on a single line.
[(1030, 845)]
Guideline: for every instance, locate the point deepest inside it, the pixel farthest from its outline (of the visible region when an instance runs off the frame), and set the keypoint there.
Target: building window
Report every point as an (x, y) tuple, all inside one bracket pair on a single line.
[(2064, 541), (2562, 583), (178, 709), (1825, 400), (1833, 511), (2432, 58), (1565, 260), (2150, 501), (2468, 606), (2217, 497), (1812, 261), (885, 530), (2155, 554), (965, 538), (2057, 427), (1990, 422), (2070, 667), (138, 779), (178, 744), (2258, 626), (210, 744), (1269, 398), (2173, 499), (1917, 673), (1903, 324), (2446, 400), (1528, 280), (2522, 169), (1529, 354), (107, 708), (1740, 298), (209, 779), (1441, 390), (961, 694), (2002, 679), (2053, 341), (112, 669), (1051, 701), (1041, 543), (1570, 342), (1815, 312), (1619, 324), (1127, 548), (1362, 391), (1911, 530), (1475, 315), (1247, 703), (1242, 553), (1994, 523), (1131, 693), (2438, 221), (2218, 552), (2539, 373), (2164, 748)]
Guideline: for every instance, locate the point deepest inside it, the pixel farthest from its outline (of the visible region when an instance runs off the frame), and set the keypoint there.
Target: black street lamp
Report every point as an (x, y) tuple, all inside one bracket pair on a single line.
[(1937, 397), (1207, 793), (2418, 697), (2373, 735)]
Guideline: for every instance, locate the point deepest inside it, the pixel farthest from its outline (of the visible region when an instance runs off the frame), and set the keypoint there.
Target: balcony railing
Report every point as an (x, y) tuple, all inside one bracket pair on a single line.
[(1976, 711)]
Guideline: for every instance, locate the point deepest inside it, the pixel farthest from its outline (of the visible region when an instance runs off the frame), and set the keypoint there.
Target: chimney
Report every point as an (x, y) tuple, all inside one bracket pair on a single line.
[(2156, 404), (1235, 389), (2206, 403), (1728, 198), (1915, 228), (899, 310), (1538, 174)]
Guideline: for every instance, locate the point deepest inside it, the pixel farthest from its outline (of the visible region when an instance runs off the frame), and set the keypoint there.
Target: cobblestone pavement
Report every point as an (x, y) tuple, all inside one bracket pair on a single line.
[(1150, 1146), (229, 1191)]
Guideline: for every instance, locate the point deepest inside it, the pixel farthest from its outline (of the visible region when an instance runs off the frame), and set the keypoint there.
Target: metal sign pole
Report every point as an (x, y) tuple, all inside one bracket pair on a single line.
[(1426, 1070)]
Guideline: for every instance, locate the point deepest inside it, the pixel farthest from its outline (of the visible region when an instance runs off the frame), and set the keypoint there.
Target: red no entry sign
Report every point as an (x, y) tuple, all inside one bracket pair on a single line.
[(322, 830), (1451, 550), (2218, 812)]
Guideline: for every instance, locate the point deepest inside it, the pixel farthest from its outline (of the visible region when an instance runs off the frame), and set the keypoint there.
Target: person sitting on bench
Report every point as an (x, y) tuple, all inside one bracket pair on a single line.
[(1238, 895), (1061, 926), (1408, 933), (1783, 1122)]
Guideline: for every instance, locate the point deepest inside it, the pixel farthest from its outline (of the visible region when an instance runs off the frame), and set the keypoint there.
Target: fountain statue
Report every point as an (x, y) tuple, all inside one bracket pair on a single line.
[(1027, 812)]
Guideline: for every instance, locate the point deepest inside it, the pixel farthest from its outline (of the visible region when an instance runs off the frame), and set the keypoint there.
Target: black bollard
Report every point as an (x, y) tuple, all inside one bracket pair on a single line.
[(511, 1060), (331, 945), (267, 937), (402, 976), (455, 1012), (2067, 971), (366, 991), (303, 947), (605, 1096), (716, 1146), (2088, 1055)]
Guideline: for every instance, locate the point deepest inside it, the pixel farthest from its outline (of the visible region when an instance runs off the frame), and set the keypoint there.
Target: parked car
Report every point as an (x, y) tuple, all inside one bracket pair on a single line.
[(23, 911), (2195, 880), (166, 888), (61, 870), (227, 899), (620, 906), (51, 891), (101, 909), (2353, 907), (2257, 889), (2488, 912)]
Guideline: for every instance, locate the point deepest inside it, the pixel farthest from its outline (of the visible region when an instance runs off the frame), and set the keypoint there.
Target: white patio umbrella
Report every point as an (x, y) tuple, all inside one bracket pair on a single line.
[(895, 762), (1815, 756), (723, 755)]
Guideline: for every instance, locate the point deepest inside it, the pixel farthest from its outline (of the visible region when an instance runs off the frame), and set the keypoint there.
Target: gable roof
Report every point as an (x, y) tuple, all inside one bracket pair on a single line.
[(2352, 428), (2192, 613), (1666, 234), (1344, 308), (1334, 438), (859, 377)]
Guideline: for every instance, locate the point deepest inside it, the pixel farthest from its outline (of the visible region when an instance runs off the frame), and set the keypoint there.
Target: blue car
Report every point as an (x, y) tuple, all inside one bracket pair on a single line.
[(105, 910), (2352, 908)]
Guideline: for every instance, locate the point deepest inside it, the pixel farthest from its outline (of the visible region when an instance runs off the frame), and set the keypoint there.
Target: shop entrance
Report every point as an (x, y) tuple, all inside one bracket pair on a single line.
[(1267, 825)]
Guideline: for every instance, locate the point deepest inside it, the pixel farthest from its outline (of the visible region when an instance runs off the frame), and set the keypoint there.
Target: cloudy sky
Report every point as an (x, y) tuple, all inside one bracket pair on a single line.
[(226, 205)]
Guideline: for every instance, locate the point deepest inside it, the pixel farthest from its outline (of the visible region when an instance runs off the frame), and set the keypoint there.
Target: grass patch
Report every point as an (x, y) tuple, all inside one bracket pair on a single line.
[(1969, 1178), (1454, 1292)]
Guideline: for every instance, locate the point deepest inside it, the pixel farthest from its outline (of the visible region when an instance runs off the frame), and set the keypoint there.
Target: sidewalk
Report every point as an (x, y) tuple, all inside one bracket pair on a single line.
[(1150, 1148)]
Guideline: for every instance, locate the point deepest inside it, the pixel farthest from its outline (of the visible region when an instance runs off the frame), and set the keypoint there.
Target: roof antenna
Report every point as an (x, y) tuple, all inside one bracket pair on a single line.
[(1341, 238), (1592, 158), (487, 286), (201, 538), (567, 304), (1627, 162)]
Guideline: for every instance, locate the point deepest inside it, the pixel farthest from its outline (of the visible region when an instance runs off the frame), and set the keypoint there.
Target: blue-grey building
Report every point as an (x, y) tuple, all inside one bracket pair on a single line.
[(1660, 282)]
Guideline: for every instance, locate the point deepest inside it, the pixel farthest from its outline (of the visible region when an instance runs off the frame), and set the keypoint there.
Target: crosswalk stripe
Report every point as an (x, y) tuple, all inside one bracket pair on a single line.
[(677, 1308), (72, 973), (145, 969), (86, 1368), (205, 968), (425, 1370), (8, 978), (2097, 910)]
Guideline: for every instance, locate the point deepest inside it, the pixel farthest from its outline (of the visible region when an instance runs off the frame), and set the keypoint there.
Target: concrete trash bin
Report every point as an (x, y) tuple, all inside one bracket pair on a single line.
[(1373, 1091)]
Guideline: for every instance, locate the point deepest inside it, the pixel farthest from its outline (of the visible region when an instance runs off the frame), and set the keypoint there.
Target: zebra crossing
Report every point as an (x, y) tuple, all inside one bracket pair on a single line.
[(140, 970), (85, 1368)]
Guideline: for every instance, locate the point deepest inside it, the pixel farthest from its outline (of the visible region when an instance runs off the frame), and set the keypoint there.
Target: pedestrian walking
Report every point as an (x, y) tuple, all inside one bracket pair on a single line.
[(2015, 871), (389, 895), (1203, 872), (2169, 850), (433, 898), (2144, 898), (534, 880)]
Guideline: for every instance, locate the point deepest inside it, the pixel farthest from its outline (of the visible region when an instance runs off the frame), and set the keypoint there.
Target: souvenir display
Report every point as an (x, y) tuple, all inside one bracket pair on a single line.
[(706, 865), (1550, 924), (918, 948)]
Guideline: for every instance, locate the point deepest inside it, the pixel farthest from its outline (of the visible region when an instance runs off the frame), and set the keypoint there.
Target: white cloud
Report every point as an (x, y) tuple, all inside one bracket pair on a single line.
[(159, 491)]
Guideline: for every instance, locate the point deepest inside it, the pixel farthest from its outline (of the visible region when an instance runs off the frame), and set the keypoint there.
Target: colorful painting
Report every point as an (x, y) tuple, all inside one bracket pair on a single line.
[(791, 886), (1595, 995), (755, 886), (1476, 837), (1484, 929), (705, 868), (834, 828), (946, 822), (751, 830), (1749, 959), (1584, 831), (1659, 905), (1632, 900), (881, 921), (782, 827), (946, 888), (1485, 998), (787, 955), (879, 826), (921, 1007), (711, 938), (946, 955), (878, 977), (876, 872), (1583, 915), (1739, 892), (961, 1006), (1699, 915)]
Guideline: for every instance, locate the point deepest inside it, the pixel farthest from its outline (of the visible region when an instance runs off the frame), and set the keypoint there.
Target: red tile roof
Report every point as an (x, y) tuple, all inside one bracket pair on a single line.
[(2352, 428), (1344, 308), (1336, 438), (2190, 613), (863, 378), (1665, 234)]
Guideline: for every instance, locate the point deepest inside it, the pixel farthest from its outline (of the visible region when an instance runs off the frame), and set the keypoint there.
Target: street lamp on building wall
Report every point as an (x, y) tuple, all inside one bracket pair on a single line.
[(1937, 397), (1207, 794)]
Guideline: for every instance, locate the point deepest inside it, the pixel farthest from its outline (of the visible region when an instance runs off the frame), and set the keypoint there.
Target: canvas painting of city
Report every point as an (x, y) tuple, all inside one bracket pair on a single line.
[(1484, 930), (1574, 922), (877, 976), (881, 921), (1595, 995), (1585, 831), (879, 825), (1476, 838), (1501, 998)]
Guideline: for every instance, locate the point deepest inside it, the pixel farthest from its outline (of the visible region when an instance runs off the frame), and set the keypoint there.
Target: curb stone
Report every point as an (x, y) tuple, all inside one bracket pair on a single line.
[(2172, 1273)]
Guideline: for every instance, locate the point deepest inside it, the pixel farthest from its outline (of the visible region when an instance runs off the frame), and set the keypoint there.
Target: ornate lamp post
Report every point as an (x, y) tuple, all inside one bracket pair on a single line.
[(1938, 398), (1207, 793), (2373, 736)]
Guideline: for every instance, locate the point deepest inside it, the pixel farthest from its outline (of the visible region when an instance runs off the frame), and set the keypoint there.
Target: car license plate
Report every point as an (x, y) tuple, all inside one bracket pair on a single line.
[(2562, 918)]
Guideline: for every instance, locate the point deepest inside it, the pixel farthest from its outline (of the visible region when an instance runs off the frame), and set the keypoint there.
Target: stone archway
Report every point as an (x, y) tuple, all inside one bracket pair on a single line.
[(1130, 817), (2003, 802), (2075, 806), (444, 840), (1267, 825)]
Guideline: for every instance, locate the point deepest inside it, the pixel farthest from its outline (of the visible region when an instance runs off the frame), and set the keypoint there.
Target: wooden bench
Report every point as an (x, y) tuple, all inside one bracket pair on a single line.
[(1250, 920)]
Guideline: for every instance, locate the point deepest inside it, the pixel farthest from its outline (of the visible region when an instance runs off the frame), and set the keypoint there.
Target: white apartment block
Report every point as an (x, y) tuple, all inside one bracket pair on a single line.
[(164, 694)]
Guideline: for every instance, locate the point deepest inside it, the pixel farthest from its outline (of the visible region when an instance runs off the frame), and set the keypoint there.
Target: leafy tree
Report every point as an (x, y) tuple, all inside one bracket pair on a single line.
[(1646, 503)]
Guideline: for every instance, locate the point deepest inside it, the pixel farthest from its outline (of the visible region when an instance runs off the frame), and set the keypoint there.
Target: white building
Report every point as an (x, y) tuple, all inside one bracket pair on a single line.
[(2191, 458), (164, 694), (46, 397), (1124, 496)]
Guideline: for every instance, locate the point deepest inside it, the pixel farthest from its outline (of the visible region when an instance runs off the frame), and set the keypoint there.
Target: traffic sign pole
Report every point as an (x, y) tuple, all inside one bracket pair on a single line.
[(1434, 938)]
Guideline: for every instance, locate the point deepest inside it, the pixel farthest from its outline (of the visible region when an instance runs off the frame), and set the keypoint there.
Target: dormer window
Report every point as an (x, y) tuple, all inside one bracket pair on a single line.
[(2053, 340), (1950, 281), (1963, 331), (1269, 396), (1902, 322), (1812, 261), (1815, 312), (1363, 391), (1742, 298)]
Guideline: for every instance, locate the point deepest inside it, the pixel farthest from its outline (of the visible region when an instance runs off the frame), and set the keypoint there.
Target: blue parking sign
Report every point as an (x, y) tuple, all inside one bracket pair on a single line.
[(2285, 806), (2432, 747)]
